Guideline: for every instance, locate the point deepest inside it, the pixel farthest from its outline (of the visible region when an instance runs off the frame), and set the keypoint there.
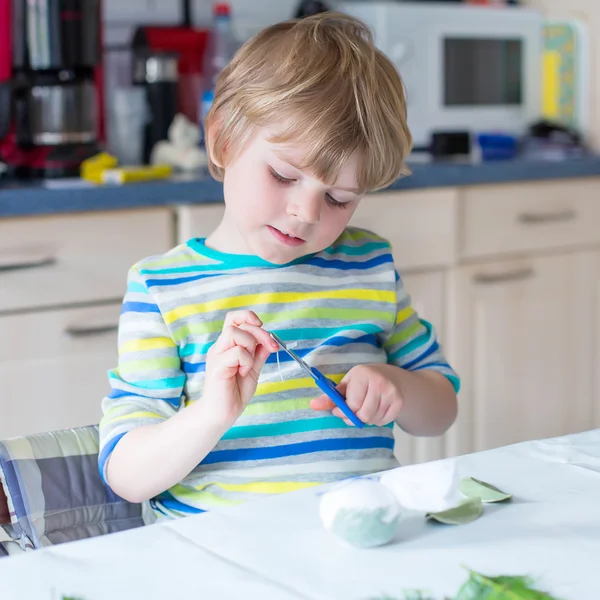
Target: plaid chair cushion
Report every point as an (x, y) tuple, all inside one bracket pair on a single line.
[(10, 548), (54, 490)]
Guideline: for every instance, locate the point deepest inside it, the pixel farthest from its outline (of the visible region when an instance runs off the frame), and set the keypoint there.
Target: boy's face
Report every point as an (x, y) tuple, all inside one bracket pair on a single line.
[(278, 212)]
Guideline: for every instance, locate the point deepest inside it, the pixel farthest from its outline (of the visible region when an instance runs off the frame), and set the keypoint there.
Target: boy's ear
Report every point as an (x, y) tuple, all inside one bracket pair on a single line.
[(211, 135)]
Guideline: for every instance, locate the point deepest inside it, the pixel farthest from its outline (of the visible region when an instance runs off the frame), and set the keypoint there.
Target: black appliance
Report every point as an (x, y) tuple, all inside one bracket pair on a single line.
[(50, 85)]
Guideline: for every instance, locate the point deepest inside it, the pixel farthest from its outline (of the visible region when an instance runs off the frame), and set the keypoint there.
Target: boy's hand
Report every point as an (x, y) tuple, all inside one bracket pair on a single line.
[(370, 393), (233, 365)]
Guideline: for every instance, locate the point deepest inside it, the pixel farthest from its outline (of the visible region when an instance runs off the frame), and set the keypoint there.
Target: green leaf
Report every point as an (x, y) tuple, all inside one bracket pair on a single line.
[(459, 515), (481, 587), (474, 488)]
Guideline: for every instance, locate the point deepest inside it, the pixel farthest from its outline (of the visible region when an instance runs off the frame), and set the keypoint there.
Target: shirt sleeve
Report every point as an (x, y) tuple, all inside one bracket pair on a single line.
[(146, 386), (412, 342)]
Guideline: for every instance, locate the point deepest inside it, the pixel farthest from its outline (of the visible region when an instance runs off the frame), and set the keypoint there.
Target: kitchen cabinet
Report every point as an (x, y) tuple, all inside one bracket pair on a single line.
[(420, 225), (53, 368), (198, 221), (400, 217), (513, 218), (594, 327), (521, 339), (76, 258), (62, 279), (509, 275), (427, 298)]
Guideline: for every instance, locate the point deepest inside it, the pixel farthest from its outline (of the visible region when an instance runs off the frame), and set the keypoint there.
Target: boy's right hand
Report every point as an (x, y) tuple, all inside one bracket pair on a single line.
[(233, 365)]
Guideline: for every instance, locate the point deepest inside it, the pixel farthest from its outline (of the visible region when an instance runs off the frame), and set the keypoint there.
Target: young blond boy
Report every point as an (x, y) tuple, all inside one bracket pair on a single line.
[(204, 411)]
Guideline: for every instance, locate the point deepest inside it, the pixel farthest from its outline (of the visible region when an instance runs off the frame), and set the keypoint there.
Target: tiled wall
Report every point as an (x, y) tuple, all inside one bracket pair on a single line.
[(121, 17), (248, 15)]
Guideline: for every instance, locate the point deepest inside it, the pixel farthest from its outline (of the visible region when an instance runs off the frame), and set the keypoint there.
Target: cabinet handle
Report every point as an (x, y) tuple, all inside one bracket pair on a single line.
[(78, 331), (516, 275), (20, 264), (560, 216)]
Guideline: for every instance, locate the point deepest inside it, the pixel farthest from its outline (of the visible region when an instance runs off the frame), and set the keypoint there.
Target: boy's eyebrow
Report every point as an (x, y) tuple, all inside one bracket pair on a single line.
[(290, 162)]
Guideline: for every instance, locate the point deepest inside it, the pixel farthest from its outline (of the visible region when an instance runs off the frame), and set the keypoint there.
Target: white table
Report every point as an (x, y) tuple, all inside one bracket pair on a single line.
[(276, 548)]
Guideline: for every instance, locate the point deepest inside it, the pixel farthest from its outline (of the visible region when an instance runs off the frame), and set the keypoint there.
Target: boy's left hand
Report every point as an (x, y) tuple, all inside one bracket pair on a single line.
[(370, 393)]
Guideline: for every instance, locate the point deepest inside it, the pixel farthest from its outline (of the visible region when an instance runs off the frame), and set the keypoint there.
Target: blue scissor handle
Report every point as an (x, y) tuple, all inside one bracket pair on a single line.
[(328, 387)]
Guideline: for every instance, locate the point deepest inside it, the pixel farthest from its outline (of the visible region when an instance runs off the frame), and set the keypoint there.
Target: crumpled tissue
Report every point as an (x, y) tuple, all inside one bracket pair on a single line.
[(362, 512), (430, 488)]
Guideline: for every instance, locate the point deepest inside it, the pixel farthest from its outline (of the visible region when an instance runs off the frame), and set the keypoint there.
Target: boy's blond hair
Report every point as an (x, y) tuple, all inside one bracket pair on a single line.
[(330, 89)]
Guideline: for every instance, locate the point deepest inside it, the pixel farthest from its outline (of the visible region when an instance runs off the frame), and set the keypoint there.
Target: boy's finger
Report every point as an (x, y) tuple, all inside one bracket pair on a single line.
[(240, 317), (234, 336), (260, 358), (261, 336), (322, 402), (338, 413), (237, 357), (370, 405)]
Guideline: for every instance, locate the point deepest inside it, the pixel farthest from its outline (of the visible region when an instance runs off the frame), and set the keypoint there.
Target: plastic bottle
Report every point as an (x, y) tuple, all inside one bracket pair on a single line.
[(220, 49)]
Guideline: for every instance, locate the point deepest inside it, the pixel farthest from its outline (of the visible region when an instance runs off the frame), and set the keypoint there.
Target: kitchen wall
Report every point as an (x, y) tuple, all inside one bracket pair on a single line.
[(587, 11), (249, 15)]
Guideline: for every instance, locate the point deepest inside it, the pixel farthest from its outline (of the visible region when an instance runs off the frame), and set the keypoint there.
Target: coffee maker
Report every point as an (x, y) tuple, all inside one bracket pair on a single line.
[(51, 101)]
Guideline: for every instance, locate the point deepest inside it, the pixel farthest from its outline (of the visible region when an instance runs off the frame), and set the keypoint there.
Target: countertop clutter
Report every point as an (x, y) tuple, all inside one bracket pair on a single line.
[(548, 531), (38, 198)]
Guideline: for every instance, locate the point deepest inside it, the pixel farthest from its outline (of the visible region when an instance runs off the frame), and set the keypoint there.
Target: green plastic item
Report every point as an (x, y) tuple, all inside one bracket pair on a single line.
[(464, 513), (475, 488)]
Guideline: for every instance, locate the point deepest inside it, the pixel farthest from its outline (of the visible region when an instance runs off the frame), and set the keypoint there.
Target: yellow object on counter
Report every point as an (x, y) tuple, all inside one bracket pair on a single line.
[(135, 174), (92, 167), (103, 169)]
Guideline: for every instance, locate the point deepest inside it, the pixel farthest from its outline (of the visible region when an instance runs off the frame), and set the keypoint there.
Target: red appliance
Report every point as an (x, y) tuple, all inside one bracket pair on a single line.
[(51, 85), (189, 45)]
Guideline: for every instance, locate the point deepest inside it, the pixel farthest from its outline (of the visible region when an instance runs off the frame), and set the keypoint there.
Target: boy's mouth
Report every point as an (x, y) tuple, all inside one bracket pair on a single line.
[(286, 238)]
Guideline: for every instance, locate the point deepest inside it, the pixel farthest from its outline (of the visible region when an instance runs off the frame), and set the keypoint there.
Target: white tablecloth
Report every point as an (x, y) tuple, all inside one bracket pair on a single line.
[(277, 549)]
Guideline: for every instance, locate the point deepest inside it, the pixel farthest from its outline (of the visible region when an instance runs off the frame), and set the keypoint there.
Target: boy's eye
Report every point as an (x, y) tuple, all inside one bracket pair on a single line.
[(333, 202), (287, 181), (280, 178)]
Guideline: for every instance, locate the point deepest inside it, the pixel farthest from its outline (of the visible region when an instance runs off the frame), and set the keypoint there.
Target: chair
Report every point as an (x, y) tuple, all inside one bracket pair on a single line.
[(54, 494)]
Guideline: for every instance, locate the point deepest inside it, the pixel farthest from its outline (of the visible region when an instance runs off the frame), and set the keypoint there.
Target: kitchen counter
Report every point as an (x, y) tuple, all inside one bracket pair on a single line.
[(18, 199)]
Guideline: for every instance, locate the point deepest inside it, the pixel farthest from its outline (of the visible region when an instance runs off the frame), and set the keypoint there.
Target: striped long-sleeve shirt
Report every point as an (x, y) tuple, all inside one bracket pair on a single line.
[(342, 307)]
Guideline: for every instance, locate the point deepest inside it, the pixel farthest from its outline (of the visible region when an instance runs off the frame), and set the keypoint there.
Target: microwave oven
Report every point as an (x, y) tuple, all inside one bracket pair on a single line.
[(464, 67)]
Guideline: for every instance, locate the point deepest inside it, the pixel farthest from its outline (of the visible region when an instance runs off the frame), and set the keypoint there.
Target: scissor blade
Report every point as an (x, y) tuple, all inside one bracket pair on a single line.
[(292, 354)]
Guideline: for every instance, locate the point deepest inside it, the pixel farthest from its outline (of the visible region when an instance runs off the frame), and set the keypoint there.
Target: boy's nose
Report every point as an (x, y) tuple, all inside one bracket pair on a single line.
[(306, 208)]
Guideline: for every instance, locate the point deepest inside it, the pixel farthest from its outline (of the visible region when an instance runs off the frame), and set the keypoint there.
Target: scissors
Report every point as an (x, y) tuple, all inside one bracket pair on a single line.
[(325, 385)]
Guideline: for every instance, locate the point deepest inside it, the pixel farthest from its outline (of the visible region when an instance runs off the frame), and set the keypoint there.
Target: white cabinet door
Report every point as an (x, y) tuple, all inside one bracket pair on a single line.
[(198, 221), (61, 260), (419, 224), (53, 368), (595, 330), (427, 298), (520, 339)]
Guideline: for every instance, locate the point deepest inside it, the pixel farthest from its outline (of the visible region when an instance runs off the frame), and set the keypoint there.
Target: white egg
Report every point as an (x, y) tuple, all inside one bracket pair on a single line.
[(430, 487), (362, 512)]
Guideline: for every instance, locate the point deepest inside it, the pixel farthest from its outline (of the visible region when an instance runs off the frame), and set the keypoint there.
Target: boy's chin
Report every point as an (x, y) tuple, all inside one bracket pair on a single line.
[(280, 258)]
